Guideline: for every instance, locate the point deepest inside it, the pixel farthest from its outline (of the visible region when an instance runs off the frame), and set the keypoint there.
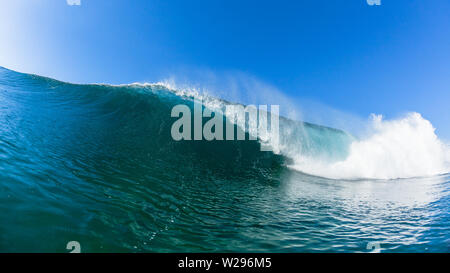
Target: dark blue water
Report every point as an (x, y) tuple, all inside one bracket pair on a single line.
[(96, 164)]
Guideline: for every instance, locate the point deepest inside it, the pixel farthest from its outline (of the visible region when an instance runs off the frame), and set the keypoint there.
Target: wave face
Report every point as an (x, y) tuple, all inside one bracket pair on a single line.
[(97, 164)]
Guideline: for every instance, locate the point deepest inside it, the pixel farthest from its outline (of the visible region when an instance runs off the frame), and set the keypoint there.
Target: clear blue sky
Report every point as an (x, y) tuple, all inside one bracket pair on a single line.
[(361, 59)]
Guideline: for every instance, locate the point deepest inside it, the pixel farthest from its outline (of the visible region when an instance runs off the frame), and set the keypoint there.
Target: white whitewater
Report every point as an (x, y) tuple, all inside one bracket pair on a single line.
[(401, 148)]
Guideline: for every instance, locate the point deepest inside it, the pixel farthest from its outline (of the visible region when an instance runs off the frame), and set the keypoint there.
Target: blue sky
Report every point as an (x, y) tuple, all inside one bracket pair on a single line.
[(357, 58)]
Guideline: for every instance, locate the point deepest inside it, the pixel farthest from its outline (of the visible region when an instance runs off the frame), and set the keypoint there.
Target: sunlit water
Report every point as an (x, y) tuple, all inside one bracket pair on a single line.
[(96, 164)]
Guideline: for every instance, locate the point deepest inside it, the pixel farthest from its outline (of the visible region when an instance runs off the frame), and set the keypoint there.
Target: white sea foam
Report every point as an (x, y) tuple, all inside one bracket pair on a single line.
[(402, 148)]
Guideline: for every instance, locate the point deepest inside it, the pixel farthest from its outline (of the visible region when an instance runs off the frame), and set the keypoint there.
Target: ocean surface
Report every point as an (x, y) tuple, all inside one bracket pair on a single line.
[(96, 164)]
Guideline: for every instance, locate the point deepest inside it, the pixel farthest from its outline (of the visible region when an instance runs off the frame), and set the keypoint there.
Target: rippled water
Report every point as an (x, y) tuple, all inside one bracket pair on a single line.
[(93, 164)]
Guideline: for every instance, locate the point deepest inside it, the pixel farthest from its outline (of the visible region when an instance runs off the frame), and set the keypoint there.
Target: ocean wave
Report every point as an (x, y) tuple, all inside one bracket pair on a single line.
[(402, 148)]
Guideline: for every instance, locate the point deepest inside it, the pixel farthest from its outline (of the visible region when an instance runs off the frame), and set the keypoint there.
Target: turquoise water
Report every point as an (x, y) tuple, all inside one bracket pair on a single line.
[(96, 164)]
